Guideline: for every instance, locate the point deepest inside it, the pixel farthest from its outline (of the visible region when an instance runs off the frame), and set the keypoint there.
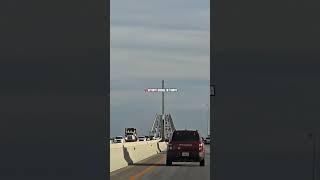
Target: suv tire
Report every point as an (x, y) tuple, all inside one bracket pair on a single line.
[(202, 162), (169, 162)]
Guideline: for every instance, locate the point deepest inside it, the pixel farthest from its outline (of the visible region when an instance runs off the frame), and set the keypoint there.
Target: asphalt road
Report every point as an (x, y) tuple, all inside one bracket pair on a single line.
[(154, 168)]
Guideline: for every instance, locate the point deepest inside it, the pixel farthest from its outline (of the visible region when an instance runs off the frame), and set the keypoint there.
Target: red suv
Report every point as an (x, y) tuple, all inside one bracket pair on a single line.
[(185, 146)]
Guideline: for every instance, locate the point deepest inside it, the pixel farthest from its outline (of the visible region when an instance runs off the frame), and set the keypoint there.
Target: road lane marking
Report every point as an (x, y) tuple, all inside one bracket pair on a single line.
[(146, 170)]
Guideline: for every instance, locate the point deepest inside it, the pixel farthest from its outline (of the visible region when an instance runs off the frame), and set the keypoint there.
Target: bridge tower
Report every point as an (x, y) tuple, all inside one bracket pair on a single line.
[(162, 126), (159, 122)]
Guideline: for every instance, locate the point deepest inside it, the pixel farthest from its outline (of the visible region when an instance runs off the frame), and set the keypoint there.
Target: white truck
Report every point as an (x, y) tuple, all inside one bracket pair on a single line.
[(130, 134)]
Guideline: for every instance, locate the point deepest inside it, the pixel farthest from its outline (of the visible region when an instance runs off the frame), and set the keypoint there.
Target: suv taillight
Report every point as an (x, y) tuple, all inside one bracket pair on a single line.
[(200, 146)]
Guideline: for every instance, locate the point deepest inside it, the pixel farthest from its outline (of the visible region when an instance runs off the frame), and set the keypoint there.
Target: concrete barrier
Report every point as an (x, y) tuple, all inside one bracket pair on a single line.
[(122, 155), (163, 146)]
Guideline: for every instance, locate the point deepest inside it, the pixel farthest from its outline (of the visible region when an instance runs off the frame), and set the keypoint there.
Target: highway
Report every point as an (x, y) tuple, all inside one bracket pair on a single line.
[(155, 168)]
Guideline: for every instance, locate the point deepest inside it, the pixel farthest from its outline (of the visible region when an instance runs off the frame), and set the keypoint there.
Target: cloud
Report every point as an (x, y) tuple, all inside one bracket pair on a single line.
[(158, 39), (146, 42), (192, 94), (153, 40), (154, 63)]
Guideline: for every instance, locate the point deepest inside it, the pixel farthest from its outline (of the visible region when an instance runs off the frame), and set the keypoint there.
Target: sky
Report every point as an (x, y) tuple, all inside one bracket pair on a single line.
[(153, 40)]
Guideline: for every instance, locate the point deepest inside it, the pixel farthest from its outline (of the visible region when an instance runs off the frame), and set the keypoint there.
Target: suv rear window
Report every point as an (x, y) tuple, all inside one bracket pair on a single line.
[(185, 136)]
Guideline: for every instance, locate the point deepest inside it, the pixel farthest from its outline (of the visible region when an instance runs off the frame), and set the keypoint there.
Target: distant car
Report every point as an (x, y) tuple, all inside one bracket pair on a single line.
[(185, 146), (207, 140), (142, 138), (148, 138), (119, 139)]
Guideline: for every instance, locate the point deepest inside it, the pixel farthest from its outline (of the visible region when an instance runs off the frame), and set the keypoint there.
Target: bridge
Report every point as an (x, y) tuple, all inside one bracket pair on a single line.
[(147, 159)]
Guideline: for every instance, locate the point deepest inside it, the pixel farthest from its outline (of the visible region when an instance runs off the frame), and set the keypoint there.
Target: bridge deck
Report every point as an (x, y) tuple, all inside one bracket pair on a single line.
[(154, 168)]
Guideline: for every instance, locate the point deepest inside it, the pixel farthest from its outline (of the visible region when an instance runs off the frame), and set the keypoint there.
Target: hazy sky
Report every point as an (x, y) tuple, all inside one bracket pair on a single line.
[(153, 40)]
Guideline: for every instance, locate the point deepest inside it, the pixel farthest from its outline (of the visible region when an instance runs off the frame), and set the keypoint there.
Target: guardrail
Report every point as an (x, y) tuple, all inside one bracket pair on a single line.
[(124, 154)]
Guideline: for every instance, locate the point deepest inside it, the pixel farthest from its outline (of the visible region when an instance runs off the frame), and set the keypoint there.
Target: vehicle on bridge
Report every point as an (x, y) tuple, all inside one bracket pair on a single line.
[(119, 139), (142, 138), (207, 140), (185, 146), (152, 138), (131, 134)]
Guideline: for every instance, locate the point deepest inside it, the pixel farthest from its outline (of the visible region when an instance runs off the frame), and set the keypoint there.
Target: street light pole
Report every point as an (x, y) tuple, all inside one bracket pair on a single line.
[(162, 130), (206, 117)]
